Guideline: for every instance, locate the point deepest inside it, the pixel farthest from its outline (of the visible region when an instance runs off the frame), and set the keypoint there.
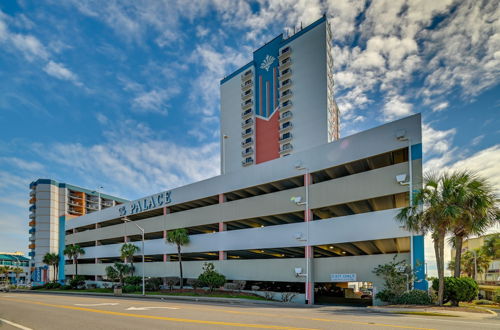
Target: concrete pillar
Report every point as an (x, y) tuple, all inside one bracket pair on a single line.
[(308, 252), (222, 227), (166, 210), (165, 256)]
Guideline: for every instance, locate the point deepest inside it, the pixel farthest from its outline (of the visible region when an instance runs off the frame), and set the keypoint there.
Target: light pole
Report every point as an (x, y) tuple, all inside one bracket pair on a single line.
[(223, 167), (297, 200), (125, 219), (401, 136)]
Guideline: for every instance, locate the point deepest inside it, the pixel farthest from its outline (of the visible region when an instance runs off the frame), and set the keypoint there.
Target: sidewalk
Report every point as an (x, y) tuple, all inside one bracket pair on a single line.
[(434, 311)]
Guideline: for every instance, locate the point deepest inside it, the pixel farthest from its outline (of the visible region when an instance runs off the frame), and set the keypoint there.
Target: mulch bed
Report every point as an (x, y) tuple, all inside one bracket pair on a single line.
[(441, 308)]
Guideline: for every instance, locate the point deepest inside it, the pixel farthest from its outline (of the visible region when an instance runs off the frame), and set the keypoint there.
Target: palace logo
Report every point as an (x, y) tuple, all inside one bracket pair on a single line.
[(268, 61)]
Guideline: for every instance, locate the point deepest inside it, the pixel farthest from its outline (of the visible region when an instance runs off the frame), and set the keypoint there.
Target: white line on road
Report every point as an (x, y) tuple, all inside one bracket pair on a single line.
[(14, 324), (148, 308), (102, 304)]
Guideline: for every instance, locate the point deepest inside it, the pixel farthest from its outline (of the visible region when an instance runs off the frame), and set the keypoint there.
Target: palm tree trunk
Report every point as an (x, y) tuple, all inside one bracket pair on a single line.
[(438, 259), (180, 264), (76, 267), (458, 254), (440, 266), (132, 265)]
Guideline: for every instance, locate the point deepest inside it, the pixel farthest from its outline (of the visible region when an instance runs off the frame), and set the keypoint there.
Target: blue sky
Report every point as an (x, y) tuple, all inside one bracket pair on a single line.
[(126, 94)]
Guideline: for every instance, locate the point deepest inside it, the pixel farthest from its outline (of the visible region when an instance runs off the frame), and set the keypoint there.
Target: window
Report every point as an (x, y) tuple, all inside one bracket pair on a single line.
[(285, 50), (286, 82), (248, 140), (248, 92), (286, 136), (286, 60), (285, 125), (285, 93), (287, 146), (247, 72), (284, 72), (286, 103)]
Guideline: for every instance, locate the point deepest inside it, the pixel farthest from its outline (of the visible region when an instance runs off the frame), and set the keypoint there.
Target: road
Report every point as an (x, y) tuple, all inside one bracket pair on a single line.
[(50, 311)]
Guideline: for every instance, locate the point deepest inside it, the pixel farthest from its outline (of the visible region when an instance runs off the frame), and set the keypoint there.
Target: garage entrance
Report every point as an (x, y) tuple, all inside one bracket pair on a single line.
[(344, 293)]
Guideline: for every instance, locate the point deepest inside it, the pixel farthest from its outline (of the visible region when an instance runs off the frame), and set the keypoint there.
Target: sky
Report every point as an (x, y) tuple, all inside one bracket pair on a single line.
[(125, 94)]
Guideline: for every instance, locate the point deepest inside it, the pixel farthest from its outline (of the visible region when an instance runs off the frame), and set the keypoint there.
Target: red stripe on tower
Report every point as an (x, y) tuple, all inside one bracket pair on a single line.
[(267, 138)]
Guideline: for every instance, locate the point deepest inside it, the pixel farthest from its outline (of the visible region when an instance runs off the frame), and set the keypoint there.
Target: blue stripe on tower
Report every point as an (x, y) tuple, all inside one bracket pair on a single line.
[(416, 151), (419, 263)]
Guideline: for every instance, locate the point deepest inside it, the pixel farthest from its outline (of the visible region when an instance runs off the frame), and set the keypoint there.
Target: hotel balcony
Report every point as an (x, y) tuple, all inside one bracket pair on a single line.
[(31, 254), (285, 84), (32, 200), (32, 238), (286, 96), (285, 52), (247, 142), (247, 132), (286, 105), (247, 152), (246, 74), (247, 114), (286, 116), (32, 193), (246, 95), (248, 161), (75, 203), (92, 206), (286, 128), (285, 63), (286, 148), (31, 246), (32, 230), (32, 223), (75, 196), (246, 105), (285, 74), (32, 215), (287, 138), (246, 85), (247, 123), (107, 203), (72, 210)]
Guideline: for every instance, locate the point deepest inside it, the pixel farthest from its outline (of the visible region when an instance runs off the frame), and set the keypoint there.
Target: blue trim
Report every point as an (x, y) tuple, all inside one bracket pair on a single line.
[(32, 230), (62, 245), (31, 254), (243, 68), (419, 263), (416, 151)]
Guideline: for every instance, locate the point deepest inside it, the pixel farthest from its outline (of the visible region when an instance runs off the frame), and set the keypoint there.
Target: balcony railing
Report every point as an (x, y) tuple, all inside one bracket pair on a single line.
[(285, 53), (247, 84), (246, 143), (32, 215), (285, 75), (246, 74), (247, 162), (286, 148), (32, 193), (247, 133), (245, 153), (286, 116), (247, 123), (286, 128), (286, 96), (246, 95), (287, 106), (285, 139), (247, 113), (285, 65)]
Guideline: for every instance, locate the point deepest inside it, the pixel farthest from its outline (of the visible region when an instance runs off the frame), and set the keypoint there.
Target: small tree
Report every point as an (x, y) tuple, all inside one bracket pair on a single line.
[(52, 259), (118, 272), (397, 279), (178, 237), (127, 253), (5, 270), (458, 289), (73, 252), (17, 271), (210, 277)]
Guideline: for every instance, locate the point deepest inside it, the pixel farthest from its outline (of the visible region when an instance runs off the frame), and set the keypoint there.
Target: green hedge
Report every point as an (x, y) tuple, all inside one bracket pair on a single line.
[(414, 297), (457, 289)]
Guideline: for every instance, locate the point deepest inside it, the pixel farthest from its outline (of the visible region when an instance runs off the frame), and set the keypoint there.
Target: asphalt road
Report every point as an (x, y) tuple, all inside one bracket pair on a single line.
[(49, 311)]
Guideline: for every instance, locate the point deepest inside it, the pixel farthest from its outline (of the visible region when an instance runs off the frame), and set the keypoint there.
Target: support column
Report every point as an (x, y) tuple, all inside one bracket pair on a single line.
[(222, 227), (165, 256), (309, 285)]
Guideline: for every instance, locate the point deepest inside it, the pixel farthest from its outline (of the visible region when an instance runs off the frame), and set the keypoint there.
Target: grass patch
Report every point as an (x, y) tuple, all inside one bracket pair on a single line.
[(427, 314)]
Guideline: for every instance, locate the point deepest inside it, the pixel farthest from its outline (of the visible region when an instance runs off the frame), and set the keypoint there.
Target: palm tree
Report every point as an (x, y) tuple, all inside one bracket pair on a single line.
[(478, 211), (492, 246), (178, 237), (127, 252), (73, 252), (433, 211), (5, 270), (52, 259)]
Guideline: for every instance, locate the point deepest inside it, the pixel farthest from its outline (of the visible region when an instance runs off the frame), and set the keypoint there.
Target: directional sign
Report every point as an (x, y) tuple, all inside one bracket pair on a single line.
[(148, 308)]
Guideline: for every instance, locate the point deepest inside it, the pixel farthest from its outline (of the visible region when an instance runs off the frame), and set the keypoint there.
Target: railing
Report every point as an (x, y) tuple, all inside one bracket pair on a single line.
[(246, 113), (287, 138), (247, 132), (286, 148), (246, 74), (247, 84), (247, 162), (286, 115), (247, 122), (247, 152), (286, 128), (245, 143)]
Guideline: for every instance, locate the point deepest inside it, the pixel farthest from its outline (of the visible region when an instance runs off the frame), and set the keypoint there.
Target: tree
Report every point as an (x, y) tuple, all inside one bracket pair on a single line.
[(433, 211), (118, 272), (73, 252), (127, 253), (491, 246), (210, 277), (52, 259), (5, 270), (17, 271), (397, 277), (178, 237), (478, 211)]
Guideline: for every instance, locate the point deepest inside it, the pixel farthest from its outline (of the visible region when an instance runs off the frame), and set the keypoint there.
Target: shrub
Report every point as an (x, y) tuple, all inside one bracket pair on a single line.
[(37, 287), (66, 287), (210, 277), (194, 283), (77, 282), (483, 302), (458, 289), (153, 284), (131, 288), (287, 297), (496, 297), (386, 296), (414, 297), (171, 281), (132, 280)]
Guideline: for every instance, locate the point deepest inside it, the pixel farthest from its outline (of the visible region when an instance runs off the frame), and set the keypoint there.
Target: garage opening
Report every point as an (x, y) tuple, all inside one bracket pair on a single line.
[(344, 293)]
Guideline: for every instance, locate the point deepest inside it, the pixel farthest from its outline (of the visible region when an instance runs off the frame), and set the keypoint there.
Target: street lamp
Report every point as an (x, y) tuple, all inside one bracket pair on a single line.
[(125, 219), (298, 201), (402, 136)]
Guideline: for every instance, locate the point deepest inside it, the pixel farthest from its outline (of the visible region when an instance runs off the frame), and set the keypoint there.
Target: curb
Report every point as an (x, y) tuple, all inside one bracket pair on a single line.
[(177, 298), (450, 313)]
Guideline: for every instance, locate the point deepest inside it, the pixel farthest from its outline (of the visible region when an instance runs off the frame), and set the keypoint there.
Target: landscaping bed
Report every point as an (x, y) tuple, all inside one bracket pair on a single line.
[(432, 308)]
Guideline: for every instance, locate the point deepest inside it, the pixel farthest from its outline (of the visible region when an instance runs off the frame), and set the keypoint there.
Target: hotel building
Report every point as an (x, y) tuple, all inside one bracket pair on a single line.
[(49, 200), (310, 222), (282, 101)]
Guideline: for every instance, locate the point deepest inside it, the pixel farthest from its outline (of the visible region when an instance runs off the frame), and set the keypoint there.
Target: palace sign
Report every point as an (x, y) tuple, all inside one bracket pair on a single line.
[(145, 204)]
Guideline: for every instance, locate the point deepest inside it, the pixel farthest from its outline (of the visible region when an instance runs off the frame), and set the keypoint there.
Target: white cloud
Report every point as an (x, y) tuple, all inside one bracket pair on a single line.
[(396, 107), (59, 71), (155, 101), (22, 164), (436, 142), (30, 46), (440, 107)]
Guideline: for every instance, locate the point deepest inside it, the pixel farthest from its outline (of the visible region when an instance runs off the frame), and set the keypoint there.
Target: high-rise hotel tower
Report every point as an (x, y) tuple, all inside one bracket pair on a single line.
[(282, 101)]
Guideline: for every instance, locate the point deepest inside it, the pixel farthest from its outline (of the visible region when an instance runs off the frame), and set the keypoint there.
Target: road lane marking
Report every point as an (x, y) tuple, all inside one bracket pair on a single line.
[(163, 318), (147, 308), (101, 304), (14, 324)]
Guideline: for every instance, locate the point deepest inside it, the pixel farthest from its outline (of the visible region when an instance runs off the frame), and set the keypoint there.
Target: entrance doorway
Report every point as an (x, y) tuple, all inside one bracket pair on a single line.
[(344, 293)]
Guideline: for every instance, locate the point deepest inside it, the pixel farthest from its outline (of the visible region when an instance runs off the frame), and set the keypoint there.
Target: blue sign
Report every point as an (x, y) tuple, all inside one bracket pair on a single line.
[(147, 203)]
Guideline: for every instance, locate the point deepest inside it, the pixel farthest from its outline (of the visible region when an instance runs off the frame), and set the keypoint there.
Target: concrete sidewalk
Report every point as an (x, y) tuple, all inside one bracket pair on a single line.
[(434, 310)]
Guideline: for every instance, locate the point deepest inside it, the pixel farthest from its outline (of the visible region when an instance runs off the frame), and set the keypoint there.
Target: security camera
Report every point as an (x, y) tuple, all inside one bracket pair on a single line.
[(299, 236), (401, 179), (298, 270), (296, 199)]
